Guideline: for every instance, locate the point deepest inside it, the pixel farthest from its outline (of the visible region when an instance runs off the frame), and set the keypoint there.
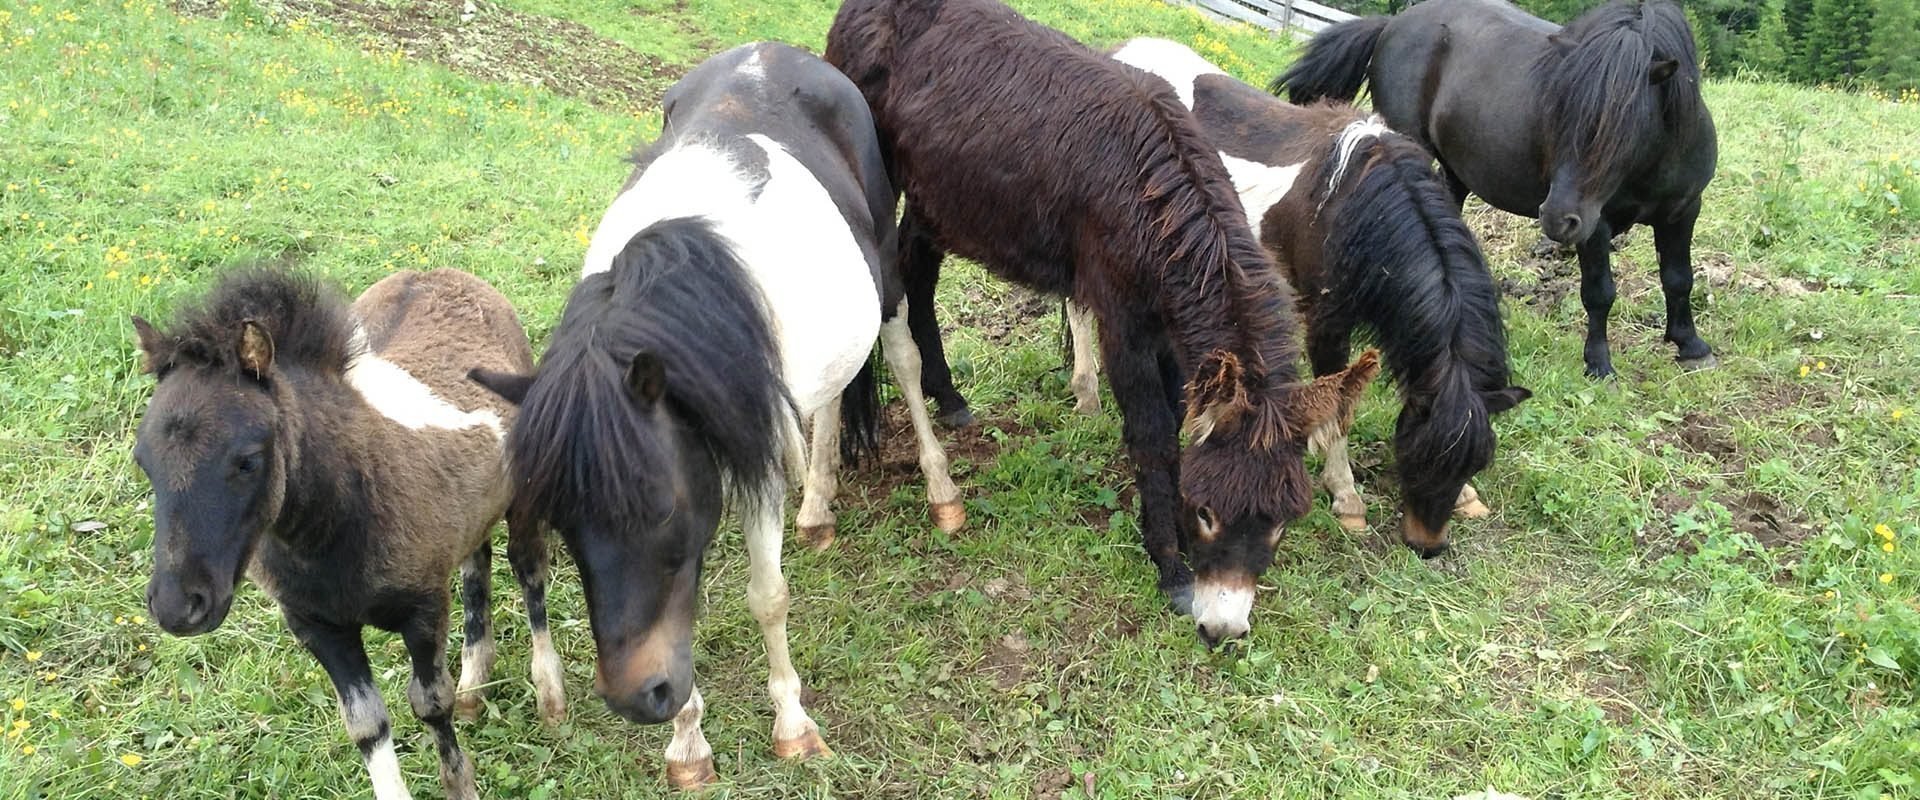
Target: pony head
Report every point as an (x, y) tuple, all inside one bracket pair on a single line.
[(1614, 82), (219, 439)]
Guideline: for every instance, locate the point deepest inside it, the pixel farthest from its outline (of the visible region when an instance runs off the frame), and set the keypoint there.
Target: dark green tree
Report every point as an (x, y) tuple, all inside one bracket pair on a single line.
[(1893, 58), (1796, 19), (1837, 39)]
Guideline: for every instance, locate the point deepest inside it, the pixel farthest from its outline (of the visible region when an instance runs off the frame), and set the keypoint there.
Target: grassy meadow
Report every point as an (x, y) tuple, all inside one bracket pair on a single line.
[(1693, 584)]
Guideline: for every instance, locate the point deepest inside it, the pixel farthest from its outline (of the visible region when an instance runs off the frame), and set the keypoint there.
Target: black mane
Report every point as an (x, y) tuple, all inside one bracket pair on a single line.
[(309, 320), (1594, 77), (1406, 263), (678, 292)]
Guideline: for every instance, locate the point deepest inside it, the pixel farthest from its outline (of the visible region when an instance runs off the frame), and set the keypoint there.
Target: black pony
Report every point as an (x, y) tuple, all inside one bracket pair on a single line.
[(1592, 128)]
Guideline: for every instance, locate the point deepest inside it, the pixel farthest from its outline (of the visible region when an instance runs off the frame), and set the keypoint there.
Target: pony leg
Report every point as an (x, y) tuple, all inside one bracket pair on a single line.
[(689, 757), (815, 518), (1673, 241), (1149, 425), (343, 655), (527, 551), (1468, 505), (1337, 475), (920, 272), (476, 655), (942, 496), (431, 693), (1086, 362), (794, 733), (1596, 293)]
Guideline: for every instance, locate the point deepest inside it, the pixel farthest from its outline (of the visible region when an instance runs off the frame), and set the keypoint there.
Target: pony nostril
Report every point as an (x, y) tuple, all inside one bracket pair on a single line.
[(656, 697), (196, 607), (1209, 635), (1571, 222)]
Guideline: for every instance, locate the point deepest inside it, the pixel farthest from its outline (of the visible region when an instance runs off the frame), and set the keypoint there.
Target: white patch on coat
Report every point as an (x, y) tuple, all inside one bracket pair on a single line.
[(399, 396), (1260, 186), (753, 67), (1172, 61), (1349, 140), (1222, 609), (820, 295)]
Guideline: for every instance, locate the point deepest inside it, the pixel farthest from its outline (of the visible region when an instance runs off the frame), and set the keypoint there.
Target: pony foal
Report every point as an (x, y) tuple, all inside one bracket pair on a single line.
[(337, 457)]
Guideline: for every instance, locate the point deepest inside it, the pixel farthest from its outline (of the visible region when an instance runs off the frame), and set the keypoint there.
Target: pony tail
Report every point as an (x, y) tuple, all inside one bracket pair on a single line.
[(1335, 65), (860, 416)]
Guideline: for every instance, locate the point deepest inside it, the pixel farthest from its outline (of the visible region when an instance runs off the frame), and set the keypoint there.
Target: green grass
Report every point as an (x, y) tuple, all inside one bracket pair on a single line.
[(1680, 593)]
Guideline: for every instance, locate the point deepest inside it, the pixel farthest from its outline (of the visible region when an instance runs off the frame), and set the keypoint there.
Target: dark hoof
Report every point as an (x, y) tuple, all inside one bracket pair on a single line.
[(1600, 373), (961, 417), (1703, 362), (1427, 552), (1181, 600)]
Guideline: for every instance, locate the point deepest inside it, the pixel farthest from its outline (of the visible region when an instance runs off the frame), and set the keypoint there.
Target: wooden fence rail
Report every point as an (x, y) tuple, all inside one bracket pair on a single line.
[(1297, 16)]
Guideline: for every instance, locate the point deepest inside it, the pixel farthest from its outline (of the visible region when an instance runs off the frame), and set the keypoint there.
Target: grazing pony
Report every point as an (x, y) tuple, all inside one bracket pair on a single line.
[(1073, 174), (338, 457), (1365, 231), (736, 285), (1591, 128)]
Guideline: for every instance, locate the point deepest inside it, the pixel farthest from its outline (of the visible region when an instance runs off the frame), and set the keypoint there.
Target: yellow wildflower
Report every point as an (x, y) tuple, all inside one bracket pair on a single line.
[(130, 759), (1886, 577), (53, 713), (26, 750), (137, 619), (18, 704), (1804, 369), (1820, 365), (1887, 546), (1884, 531), (33, 655)]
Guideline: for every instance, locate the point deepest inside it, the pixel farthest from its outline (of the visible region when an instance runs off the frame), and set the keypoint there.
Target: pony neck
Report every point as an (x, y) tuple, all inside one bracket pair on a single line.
[(327, 481)]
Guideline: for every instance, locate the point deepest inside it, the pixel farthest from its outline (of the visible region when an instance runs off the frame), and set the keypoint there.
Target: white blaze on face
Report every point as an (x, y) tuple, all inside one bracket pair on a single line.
[(1221, 609)]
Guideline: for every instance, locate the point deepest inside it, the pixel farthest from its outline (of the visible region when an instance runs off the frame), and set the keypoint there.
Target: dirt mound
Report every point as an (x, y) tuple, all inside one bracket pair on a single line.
[(497, 44)]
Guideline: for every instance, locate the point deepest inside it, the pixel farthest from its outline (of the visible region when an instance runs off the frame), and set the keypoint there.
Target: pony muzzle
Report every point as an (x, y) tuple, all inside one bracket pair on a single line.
[(189, 604), (648, 682), (1221, 606), (1426, 541)]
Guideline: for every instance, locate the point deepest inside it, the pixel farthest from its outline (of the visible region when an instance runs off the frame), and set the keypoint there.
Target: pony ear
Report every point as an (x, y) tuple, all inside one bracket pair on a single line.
[(1216, 395), (1332, 398), (256, 349), (1505, 399), (512, 387), (1560, 41), (151, 344), (1662, 69), (646, 378)]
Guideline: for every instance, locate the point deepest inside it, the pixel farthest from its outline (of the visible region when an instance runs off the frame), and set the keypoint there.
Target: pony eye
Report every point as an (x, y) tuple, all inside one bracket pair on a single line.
[(246, 463)]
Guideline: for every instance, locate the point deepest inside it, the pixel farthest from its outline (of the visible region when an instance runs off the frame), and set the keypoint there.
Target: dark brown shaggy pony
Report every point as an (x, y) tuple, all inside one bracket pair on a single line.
[(1067, 172), (338, 457)]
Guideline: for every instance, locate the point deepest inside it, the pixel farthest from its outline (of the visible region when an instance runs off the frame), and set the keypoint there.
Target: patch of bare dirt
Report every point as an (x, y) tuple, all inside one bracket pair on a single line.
[(1763, 517), (497, 44), (1006, 661), (898, 461), (1702, 434)]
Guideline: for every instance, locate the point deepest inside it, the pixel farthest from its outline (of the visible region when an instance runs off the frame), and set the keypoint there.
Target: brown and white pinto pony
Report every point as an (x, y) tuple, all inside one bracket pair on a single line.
[(339, 457), (1070, 173), (1367, 233)]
